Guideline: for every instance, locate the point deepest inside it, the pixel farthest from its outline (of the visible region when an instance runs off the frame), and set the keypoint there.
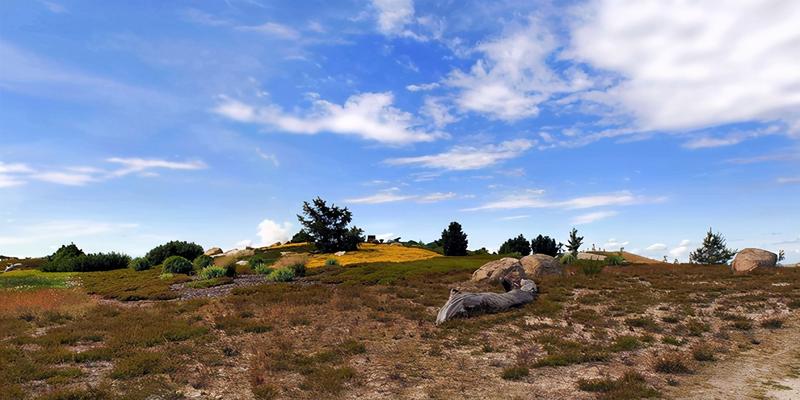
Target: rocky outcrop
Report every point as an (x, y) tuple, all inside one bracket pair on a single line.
[(495, 271), (591, 256), (213, 251), (751, 258), (240, 253), (538, 265)]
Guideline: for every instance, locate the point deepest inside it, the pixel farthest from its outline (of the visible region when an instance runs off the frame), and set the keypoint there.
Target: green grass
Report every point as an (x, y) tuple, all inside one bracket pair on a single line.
[(130, 285), (33, 279), (208, 283)]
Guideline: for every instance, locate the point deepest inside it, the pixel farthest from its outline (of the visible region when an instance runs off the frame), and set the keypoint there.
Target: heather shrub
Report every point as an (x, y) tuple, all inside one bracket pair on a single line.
[(295, 262), (212, 271), (140, 264), (202, 261), (187, 250), (177, 265), (331, 261), (614, 260), (568, 259), (285, 274)]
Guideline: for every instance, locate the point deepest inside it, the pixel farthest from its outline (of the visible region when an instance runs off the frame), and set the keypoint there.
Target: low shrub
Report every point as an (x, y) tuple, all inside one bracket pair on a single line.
[(772, 323), (140, 264), (202, 261), (743, 325), (88, 263), (212, 271), (672, 363), (626, 343), (568, 259), (259, 260), (262, 269), (331, 261), (161, 253), (614, 259), (515, 373), (703, 352), (295, 262), (592, 269), (285, 274), (631, 385), (230, 270), (177, 265)]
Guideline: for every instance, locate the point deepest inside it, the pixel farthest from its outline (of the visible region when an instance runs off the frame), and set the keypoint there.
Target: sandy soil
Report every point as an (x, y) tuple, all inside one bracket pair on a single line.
[(768, 370)]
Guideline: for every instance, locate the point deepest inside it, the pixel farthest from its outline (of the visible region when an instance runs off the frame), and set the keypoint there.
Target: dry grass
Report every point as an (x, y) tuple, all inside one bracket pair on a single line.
[(373, 253), (30, 303)]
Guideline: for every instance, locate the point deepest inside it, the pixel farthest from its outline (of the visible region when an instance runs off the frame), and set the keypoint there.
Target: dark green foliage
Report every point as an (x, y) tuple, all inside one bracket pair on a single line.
[(71, 259), (230, 269), (545, 245), (187, 250), (574, 243), (480, 252), (202, 261), (713, 250), (614, 259), (454, 240), (177, 265), (327, 225), (302, 237), (140, 264), (516, 245)]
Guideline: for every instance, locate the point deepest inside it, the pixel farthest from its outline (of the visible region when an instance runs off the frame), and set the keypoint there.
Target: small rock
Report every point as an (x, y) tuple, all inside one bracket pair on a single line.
[(213, 251), (339, 253), (241, 262)]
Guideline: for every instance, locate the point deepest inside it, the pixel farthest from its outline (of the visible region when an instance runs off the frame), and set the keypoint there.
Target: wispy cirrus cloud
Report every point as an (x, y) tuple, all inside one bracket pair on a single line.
[(462, 158), (391, 195), (370, 116), (536, 199), (592, 217)]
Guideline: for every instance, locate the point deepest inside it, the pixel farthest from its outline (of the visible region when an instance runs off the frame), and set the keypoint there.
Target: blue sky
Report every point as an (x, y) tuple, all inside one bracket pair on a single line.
[(641, 123)]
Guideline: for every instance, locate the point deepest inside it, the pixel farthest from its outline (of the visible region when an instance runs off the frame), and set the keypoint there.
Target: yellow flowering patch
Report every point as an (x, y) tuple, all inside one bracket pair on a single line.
[(287, 245), (368, 253)]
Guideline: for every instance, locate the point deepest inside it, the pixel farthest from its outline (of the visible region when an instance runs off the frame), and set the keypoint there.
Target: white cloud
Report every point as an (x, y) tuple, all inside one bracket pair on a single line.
[(269, 157), (270, 232), (513, 78), (422, 87), (729, 139), (393, 15), (64, 178), (438, 112), (9, 181), (656, 247), (514, 217), (53, 7), (461, 158), (14, 168), (366, 115), (274, 30), (392, 195), (689, 65), (63, 231), (614, 243), (788, 180), (134, 165), (534, 199), (592, 217), (681, 250)]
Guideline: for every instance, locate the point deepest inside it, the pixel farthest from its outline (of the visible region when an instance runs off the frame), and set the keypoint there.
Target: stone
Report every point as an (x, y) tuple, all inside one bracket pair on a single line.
[(751, 258), (241, 262), (538, 265), (495, 271), (339, 253), (463, 304), (213, 251), (240, 253), (11, 267)]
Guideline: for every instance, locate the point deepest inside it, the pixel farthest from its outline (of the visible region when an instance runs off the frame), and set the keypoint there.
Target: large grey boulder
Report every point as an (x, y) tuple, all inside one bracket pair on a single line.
[(539, 265), (213, 251), (494, 271), (751, 258)]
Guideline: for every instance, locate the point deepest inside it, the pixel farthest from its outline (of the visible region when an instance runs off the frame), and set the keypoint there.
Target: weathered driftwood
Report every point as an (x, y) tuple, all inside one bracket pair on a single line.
[(461, 305)]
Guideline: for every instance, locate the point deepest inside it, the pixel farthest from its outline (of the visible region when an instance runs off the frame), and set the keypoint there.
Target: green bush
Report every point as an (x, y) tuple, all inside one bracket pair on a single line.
[(258, 260), (614, 260), (262, 269), (230, 269), (212, 271), (177, 265), (87, 262), (298, 268), (187, 250), (202, 261), (568, 259), (281, 275), (331, 261), (516, 245), (140, 264), (65, 252)]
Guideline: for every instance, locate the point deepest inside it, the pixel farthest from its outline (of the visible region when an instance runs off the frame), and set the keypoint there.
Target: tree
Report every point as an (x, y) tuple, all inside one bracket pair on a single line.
[(574, 243), (302, 237), (516, 245), (713, 250), (327, 225), (454, 240), (781, 255), (545, 245), (187, 250)]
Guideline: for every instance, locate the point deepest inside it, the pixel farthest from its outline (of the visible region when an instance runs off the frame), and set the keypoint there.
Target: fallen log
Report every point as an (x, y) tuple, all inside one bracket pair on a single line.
[(462, 305)]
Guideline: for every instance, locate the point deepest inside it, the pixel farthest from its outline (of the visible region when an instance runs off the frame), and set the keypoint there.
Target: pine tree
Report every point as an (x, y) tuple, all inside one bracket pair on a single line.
[(516, 245), (713, 250), (545, 245), (574, 242), (327, 225), (454, 240)]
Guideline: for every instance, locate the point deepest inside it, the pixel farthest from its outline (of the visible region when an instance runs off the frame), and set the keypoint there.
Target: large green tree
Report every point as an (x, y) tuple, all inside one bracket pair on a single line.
[(545, 245), (328, 226), (713, 250), (454, 240), (516, 245)]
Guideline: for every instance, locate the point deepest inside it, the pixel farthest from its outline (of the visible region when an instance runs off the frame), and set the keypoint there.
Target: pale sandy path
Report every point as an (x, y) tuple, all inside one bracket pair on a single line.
[(766, 371)]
